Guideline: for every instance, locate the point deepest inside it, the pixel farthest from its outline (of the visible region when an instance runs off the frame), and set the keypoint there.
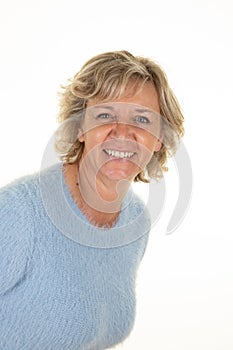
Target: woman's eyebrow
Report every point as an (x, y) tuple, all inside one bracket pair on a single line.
[(143, 110), (114, 109), (140, 110), (102, 106)]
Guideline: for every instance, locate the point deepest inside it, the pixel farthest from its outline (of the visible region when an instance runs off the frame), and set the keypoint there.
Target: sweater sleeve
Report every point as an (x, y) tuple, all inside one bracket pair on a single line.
[(16, 235)]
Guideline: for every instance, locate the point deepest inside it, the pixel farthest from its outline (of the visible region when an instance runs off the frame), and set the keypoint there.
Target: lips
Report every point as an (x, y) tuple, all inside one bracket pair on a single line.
[(118, 154)]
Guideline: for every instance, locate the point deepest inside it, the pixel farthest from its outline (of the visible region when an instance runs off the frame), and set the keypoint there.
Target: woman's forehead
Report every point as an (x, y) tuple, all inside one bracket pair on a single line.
[(144, 95)]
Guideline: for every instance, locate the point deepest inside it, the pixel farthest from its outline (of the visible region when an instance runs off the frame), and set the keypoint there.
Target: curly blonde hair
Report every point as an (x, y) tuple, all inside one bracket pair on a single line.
[(105, 77)]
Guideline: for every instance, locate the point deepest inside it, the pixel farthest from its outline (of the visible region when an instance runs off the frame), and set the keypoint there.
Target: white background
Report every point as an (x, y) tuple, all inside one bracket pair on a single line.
[(185, 282)]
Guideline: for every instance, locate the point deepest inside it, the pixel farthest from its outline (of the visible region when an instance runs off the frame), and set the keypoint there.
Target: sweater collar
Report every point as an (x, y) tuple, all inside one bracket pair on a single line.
[(133, 221)]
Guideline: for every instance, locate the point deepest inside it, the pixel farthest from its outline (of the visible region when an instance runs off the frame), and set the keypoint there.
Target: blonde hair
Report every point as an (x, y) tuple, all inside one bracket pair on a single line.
[(105, 78)]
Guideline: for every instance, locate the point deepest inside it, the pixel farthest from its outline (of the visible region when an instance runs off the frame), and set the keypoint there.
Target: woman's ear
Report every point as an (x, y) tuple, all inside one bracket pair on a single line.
[(158, 145), (159, 141), (80, 135)]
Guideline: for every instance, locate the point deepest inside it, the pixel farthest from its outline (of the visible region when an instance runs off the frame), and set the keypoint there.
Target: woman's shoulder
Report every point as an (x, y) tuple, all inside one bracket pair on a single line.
[(25, 186), (18, 204), (15, 198)]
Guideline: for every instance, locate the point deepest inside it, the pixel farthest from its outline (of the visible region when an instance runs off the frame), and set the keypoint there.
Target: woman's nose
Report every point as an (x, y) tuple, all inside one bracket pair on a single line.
[(122, 130)]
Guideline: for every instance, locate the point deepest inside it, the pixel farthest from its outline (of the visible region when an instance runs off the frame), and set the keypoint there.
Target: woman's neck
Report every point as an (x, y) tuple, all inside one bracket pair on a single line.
[(100, 201)]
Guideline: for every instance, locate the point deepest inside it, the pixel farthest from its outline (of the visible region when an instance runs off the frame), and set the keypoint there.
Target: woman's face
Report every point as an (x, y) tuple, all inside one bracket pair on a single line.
[(120, 137)]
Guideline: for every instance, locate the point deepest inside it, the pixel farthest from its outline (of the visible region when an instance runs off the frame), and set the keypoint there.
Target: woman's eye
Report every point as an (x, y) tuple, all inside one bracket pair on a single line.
[(104, 116), (142, 119)]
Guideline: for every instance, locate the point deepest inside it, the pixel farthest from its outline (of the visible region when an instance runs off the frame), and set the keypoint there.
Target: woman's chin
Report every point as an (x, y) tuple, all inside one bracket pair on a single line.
[(117, 171)]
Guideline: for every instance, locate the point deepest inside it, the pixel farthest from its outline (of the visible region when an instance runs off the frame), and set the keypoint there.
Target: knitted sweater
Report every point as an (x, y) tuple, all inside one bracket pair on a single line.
[(64, 283)]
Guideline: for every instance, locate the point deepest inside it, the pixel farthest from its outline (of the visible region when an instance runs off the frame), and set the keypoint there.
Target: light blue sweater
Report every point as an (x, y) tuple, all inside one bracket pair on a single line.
[(65, 284)]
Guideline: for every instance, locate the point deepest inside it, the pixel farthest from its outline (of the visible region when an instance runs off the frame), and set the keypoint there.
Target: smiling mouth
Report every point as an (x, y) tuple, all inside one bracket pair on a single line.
[(118, 154)]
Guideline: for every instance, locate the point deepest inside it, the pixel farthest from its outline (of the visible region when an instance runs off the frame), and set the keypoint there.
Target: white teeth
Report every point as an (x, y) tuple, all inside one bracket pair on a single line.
[(118, 154)]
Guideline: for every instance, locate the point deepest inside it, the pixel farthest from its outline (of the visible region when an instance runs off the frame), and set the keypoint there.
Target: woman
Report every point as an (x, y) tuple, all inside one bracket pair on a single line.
[(73, 235)]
